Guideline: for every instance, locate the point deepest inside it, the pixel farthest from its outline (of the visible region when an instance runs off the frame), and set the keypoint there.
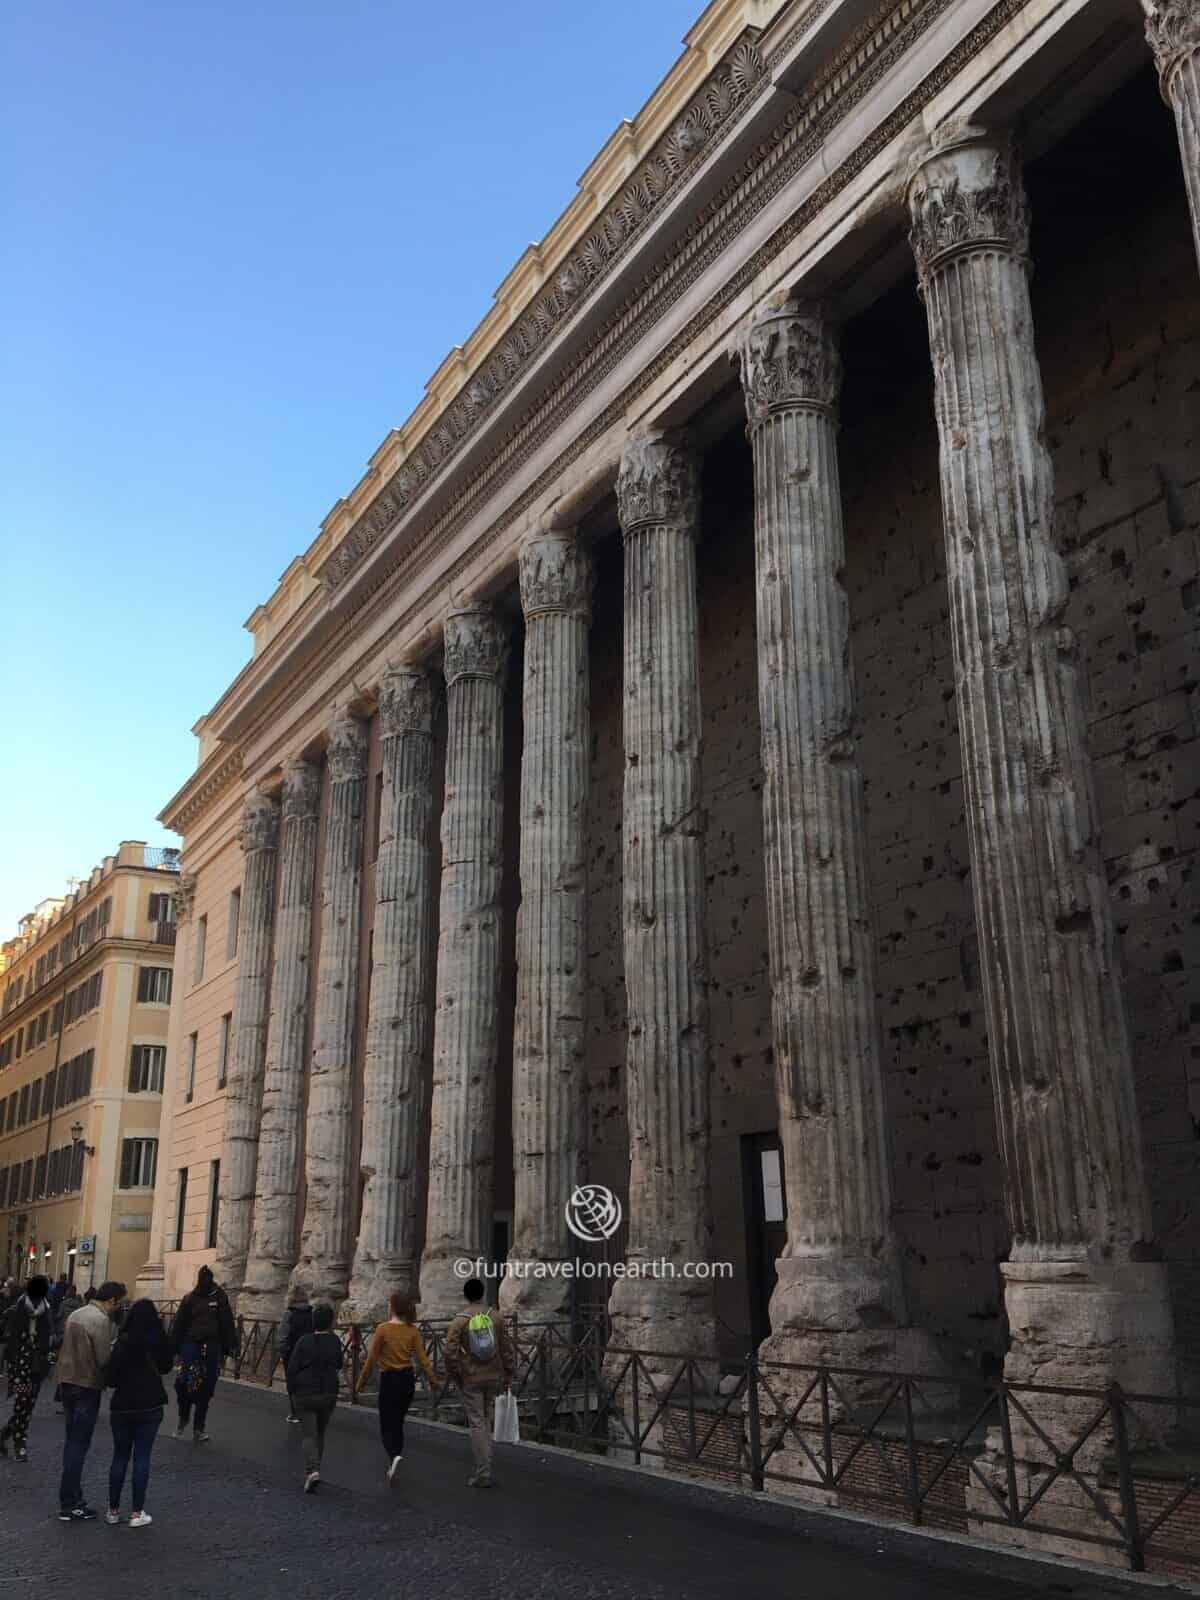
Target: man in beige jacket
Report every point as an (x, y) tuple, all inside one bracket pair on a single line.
[(481, 1379), (87, 1341)]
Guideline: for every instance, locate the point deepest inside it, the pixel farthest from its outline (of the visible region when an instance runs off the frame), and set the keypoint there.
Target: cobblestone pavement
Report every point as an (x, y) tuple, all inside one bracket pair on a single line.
[(230, 1520)]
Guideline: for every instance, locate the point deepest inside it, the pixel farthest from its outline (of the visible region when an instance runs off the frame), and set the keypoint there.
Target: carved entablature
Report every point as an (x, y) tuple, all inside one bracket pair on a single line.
[(659, 481), (346, 749), (476, 645), (556, 575), (1173, 31), (789, 359), (301, 789), (260, 823), (965, 195), (184, 896), (624, 220), (405, 701)]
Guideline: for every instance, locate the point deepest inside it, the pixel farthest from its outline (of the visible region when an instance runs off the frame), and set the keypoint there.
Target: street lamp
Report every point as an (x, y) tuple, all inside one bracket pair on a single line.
[(88, 1150)]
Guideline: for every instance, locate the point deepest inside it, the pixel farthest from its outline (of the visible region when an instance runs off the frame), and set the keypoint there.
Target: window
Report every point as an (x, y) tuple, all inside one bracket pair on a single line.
[(139, 1161), (77, 1155), (235, 918), (193, 1041), (162, 908), (20, 1041), (147, 1068), (23, 1114), (223, 1067), (214, 1201), (201, 943), (154, 986), (39, 1177), (180, 1205)]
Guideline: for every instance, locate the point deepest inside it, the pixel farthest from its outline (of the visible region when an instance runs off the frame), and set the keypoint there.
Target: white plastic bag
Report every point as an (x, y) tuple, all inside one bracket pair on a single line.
[(506, 1429)]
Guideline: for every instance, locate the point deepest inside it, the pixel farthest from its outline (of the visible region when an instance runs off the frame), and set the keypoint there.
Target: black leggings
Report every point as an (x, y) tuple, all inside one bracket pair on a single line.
[(396, 1391)]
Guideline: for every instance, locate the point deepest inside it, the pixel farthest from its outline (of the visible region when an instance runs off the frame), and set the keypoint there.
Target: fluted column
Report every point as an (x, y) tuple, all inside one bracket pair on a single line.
[(549, 1092), (248, 1052), (839, 1275), (325, 1244), (458, 1216), (667, 1064), (1085, 1291), (275, 1234), (1173, 30), (399, 1013)]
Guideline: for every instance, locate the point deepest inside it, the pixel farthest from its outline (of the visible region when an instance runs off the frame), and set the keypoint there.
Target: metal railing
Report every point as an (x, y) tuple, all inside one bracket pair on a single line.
[(1020, 1461)]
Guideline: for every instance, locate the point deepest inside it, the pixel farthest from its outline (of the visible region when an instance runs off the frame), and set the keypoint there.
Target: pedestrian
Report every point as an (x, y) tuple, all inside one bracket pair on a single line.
[(27, 1329), (58, 1292), (480, 1357), (312, 1378), (86, 1347), (297, 1321), (141, 1354), (202, 1335), (9, 1296), (395, 1349)]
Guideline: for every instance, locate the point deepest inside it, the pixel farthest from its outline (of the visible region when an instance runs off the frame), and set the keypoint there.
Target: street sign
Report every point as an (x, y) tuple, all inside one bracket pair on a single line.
[(87, 1245)]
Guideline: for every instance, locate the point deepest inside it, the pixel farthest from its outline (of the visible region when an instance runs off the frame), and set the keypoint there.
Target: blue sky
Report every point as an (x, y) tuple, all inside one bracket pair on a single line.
[(236, 241)]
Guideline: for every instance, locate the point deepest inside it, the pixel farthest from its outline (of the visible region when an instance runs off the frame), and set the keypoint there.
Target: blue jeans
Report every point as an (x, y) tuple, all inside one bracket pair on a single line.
[(133, 1433), (209, 1356), (82, 1407)]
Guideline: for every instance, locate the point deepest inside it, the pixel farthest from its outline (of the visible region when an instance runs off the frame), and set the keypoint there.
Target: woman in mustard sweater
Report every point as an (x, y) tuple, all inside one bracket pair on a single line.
[(395, 1350)]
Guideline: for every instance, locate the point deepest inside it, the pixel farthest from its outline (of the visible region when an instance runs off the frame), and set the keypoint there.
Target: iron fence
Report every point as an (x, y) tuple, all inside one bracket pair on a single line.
[(1098, 1468)]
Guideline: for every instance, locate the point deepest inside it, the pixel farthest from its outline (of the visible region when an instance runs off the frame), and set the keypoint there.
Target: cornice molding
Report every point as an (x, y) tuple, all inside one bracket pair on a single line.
[(194, 799)]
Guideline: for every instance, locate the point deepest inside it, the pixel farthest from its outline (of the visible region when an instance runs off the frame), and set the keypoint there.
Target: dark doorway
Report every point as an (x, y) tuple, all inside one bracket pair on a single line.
[(766, 1223)]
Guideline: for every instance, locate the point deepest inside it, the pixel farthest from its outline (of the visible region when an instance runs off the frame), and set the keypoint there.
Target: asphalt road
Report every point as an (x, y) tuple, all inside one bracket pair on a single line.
[(231, 1520)]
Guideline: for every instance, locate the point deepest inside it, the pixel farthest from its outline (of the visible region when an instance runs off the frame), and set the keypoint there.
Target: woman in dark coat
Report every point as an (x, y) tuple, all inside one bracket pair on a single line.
[(28, 1324), (140, 1356), (202, 1335)]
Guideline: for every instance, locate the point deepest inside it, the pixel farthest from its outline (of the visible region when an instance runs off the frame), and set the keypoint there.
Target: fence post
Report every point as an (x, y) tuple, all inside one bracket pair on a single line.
[(543, 1389), (355, 1363), (910, 1439), (1011, 1498), (237, 1355), (637, 1414), (754, 1422), (1129, 1509), (826, 1429)]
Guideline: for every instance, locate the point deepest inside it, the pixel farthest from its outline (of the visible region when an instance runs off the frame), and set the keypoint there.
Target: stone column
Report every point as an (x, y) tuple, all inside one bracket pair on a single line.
[(1173, 29), (398, 1017), (325, 1245), (549, 1091), (458, 1216), (274, 1239), (248, 1052), (1085, 1291), (667, 1065), (839, 1294)]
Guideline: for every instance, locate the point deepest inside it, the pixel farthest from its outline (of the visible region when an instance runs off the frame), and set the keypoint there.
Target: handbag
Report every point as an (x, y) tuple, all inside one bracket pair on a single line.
[(506, 1426)]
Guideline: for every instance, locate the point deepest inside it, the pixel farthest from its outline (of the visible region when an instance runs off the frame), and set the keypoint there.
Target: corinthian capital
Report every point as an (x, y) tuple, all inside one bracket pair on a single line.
[(966, 194), (1173, 30), (556, 575), (476, 644), (301, 788), (260, 823), (346, 751), (659, 481), (405, 701), (789, 359), (184, 896)]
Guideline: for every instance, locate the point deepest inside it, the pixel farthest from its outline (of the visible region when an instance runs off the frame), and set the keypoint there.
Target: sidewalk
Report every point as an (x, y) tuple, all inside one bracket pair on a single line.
[(230, 1520)]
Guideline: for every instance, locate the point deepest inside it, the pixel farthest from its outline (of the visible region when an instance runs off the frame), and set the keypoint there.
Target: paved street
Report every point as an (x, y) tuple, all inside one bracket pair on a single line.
[(230, 1520)]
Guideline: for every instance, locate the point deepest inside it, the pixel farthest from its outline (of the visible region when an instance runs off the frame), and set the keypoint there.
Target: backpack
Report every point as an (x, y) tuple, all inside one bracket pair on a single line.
[(481, 1338)]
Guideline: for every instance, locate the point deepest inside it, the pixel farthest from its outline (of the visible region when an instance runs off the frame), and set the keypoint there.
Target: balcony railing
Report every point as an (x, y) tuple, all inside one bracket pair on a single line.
[(164, 857), (164, 932)]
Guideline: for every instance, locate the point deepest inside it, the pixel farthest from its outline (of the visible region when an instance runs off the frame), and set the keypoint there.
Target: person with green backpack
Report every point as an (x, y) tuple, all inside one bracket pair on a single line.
[(480, 1357)]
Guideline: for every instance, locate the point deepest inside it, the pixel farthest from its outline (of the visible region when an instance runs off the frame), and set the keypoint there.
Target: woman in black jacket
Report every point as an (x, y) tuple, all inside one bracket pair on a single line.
[(312, 1379), (202, 1335), (140, 1356)]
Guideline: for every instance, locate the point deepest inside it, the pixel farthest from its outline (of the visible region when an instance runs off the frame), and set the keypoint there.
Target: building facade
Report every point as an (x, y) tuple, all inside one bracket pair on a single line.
[(86, 995), (737, 744)]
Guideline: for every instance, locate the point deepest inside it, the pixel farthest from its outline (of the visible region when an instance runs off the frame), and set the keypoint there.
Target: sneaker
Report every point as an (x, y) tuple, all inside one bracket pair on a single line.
[(21, 1453), (3, 1445), (292, 1419), (112, 1518), (311, 1482), (394, 1468), (200, 1436), (77, 1514), (178, 1433), (140, 1519)]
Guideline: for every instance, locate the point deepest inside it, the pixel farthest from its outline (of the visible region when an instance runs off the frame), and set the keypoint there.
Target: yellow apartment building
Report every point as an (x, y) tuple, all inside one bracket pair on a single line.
[(85, 996)]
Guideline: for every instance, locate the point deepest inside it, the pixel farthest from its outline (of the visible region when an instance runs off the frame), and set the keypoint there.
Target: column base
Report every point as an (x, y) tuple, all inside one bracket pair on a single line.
[(372, 1287), (837, 1294), (671, 1316), (441, 1287), (151, 1282), (536, 1296), (324, 1280)]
